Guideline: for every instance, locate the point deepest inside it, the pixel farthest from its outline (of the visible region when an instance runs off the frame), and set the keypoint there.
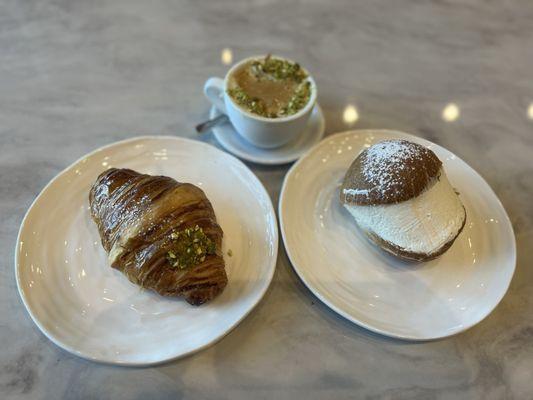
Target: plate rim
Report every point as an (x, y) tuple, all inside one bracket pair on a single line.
[(213, 111), (110, 361), (343, 313)]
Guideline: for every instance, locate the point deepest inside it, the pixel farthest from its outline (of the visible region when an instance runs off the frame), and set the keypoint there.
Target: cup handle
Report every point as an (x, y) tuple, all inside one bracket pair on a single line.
[(214, 92)]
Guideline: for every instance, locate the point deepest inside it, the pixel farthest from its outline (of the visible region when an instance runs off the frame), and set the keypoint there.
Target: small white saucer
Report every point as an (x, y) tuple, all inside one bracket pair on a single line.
[(236, 144)]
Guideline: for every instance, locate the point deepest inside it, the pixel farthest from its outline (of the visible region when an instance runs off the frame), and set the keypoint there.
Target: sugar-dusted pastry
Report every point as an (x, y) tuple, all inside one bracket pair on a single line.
[(160, 233), (399, 195)]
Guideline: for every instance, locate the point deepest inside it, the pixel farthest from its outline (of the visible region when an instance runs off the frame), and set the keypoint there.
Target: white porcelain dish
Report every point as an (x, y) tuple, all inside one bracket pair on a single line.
[(373, 289), (289, 152), (93, 311)]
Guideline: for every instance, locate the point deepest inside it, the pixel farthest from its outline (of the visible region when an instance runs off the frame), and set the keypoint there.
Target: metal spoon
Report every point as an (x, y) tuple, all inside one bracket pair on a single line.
[(207, 125)]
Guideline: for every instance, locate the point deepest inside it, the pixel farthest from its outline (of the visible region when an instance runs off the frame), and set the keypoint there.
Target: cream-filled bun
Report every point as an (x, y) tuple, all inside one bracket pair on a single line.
[(399, 195)]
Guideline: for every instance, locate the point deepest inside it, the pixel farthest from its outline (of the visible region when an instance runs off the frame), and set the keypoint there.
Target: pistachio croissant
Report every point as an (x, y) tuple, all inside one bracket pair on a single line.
[(160, 233)]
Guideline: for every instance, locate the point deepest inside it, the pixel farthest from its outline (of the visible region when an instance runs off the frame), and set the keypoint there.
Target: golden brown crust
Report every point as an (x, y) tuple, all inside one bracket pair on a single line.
[(408, 255), (136, 214), (388, 172)]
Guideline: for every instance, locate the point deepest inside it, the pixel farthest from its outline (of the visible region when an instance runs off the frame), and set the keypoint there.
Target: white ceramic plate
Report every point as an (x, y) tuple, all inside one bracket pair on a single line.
[(93, 311), (365, 285), (236, 144)]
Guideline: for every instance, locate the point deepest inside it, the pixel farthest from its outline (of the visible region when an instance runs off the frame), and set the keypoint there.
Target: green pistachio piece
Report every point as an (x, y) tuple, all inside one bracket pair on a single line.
[(189, 247)]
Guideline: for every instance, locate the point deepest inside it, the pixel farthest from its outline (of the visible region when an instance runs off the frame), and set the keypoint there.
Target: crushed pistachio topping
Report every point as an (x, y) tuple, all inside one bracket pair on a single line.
[(298, 100), (253, 104), (189, 247), (230, 253), (275, 69)]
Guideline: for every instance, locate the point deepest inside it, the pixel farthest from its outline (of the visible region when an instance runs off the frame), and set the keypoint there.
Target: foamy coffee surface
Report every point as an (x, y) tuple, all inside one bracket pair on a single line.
[(390, 171), (270, 87)]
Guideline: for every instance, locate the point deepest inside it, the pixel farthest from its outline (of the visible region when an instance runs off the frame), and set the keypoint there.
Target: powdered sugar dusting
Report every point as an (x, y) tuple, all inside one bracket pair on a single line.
[(391, 171), (384, 162), (354, 192)]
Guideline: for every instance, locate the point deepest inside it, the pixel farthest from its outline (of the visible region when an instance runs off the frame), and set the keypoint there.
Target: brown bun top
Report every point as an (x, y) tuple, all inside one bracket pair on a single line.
[(388, 172)]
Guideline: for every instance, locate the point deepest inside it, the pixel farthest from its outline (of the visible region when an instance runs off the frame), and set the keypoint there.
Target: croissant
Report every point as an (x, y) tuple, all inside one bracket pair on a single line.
[(162, 234)]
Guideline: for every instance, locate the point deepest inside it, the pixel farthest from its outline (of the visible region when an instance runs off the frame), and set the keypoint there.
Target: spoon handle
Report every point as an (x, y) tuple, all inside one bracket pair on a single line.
[(207, 125)]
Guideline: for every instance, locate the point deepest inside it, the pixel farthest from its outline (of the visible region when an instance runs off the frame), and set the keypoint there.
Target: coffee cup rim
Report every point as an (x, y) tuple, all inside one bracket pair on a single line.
[(310, 103)]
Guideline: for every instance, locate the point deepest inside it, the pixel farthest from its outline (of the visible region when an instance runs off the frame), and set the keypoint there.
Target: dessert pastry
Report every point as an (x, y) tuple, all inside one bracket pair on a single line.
[(160, 233), (399, 195)]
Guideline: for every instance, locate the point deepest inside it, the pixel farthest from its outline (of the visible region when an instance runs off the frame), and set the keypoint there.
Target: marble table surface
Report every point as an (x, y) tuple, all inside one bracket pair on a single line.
[(78, 75)]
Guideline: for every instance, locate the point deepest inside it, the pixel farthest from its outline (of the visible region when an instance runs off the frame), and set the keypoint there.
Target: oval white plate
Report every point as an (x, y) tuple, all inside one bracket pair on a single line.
[(93, 311), (228, 137), (365, 285)]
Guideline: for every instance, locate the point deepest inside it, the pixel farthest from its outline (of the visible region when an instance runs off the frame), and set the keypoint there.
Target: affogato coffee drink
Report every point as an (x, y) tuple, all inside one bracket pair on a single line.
[(270, 87)]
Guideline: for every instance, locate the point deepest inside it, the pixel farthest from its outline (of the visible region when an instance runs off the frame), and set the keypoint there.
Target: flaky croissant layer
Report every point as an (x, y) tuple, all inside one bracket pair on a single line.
[(139, 218)]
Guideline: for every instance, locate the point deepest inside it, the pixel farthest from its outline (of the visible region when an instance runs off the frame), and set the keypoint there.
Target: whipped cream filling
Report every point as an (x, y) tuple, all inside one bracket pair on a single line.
[(422, 224)]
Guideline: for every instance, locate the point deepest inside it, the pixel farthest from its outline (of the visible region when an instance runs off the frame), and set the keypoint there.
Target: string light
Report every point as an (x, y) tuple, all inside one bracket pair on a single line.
[(226, 56), (451, 112), (350, 114)]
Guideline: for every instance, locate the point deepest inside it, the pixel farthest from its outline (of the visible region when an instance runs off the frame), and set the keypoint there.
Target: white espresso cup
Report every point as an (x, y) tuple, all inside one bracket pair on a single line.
[(260, 131)]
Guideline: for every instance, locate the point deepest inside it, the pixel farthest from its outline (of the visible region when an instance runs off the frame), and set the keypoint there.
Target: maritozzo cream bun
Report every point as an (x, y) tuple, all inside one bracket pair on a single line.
[(399, 195)]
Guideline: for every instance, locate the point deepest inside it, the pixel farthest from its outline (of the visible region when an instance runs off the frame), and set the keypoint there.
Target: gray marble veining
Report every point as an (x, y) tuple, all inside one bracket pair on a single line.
[(78, 75)]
